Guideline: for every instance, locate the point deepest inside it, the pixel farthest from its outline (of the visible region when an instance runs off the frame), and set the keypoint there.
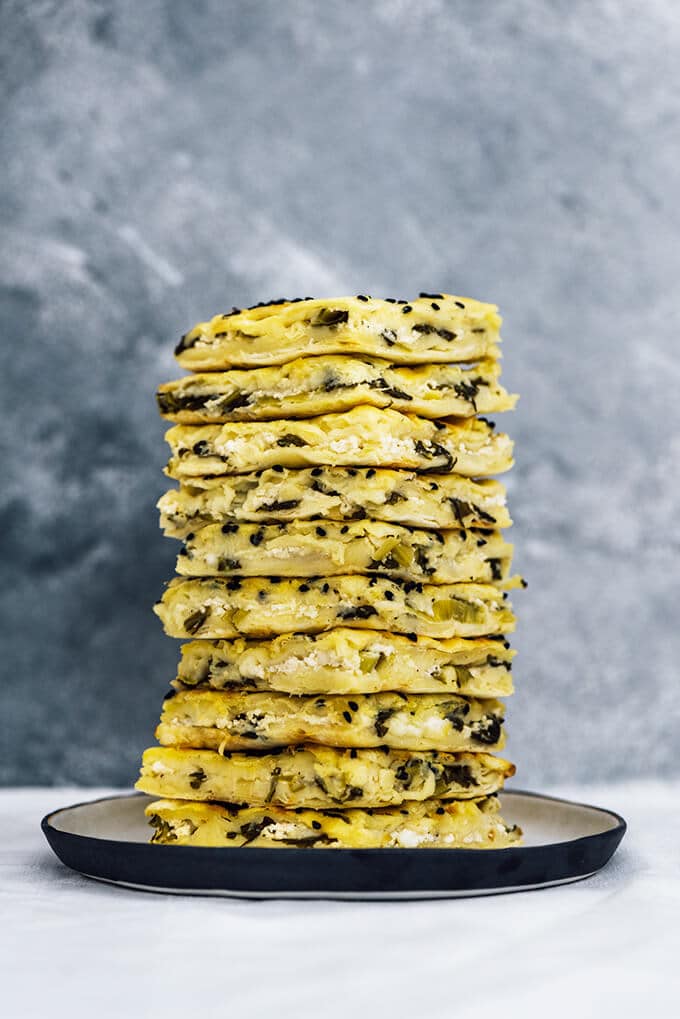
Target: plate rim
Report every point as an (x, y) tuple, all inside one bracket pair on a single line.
[(394, 874)]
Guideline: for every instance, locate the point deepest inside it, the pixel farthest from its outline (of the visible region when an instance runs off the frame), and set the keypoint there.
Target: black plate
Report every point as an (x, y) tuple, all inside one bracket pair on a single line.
[(108, 840)]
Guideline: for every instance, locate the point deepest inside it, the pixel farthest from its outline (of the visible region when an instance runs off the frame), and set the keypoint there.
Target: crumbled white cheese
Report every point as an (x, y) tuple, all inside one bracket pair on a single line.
[(314, 660), (406, 838), (288, 830), (402, 726), (253, 669), (185, 828), (350, 444), (229, 446), (381, 649), (310, 611), (284, 552), (396, 447)]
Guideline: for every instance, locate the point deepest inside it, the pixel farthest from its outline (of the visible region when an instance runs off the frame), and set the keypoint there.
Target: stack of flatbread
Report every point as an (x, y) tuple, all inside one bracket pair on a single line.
[(342, 582)]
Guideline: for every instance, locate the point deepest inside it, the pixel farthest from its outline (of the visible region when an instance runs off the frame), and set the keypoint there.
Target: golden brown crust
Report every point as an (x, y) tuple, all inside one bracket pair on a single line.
[(227, 720), (361, 437), (320, 777), (327, 549), (311, 386), (432, 328), (439, 501), (266, 606), (348, 661), (435, 824)]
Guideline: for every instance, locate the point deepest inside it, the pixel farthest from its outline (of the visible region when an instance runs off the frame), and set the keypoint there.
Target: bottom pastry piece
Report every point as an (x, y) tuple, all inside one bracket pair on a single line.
[(433, 824)]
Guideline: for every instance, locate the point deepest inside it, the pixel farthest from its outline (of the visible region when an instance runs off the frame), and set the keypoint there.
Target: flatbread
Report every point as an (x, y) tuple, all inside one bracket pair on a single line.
[(435, 327), (267, 606), (309, 549), (361, 437), (335, 493), (320, 777), (433, 824), (310, 386), (223, 720), (348, 661)]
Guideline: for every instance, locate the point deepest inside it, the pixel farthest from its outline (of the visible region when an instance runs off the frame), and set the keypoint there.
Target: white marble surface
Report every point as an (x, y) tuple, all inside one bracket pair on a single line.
[(610, 945)]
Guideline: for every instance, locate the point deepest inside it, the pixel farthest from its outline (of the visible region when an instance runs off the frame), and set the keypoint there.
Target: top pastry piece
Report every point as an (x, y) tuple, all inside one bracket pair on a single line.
[(435, 327)]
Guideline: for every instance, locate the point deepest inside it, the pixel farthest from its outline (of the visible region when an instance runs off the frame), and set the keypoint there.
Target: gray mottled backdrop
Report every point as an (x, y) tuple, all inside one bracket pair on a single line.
[(163, 160)]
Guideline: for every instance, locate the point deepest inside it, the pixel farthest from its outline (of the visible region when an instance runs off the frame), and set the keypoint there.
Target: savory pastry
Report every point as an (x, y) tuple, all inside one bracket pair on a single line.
[(267, 606), (434, 824), (328, 548), (361, 437), (321, 385), (434, 327), (348, 661), (222, 720), (322, 777), (335, 493)]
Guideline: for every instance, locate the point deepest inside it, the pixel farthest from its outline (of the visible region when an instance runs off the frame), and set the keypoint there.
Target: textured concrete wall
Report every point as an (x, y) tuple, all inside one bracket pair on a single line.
[(163, 160)]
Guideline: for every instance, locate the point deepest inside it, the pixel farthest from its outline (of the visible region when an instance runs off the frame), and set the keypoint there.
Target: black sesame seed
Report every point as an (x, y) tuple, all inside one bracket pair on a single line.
[(353, 754), (435, 306), (459, 304), (353, 705), (316, 471), (321, 531), (316, 825), (389, 595), (406, 309), (344, 529), (278, 468), (370, 473), (304, 588), (346, 715), (361, 297)]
